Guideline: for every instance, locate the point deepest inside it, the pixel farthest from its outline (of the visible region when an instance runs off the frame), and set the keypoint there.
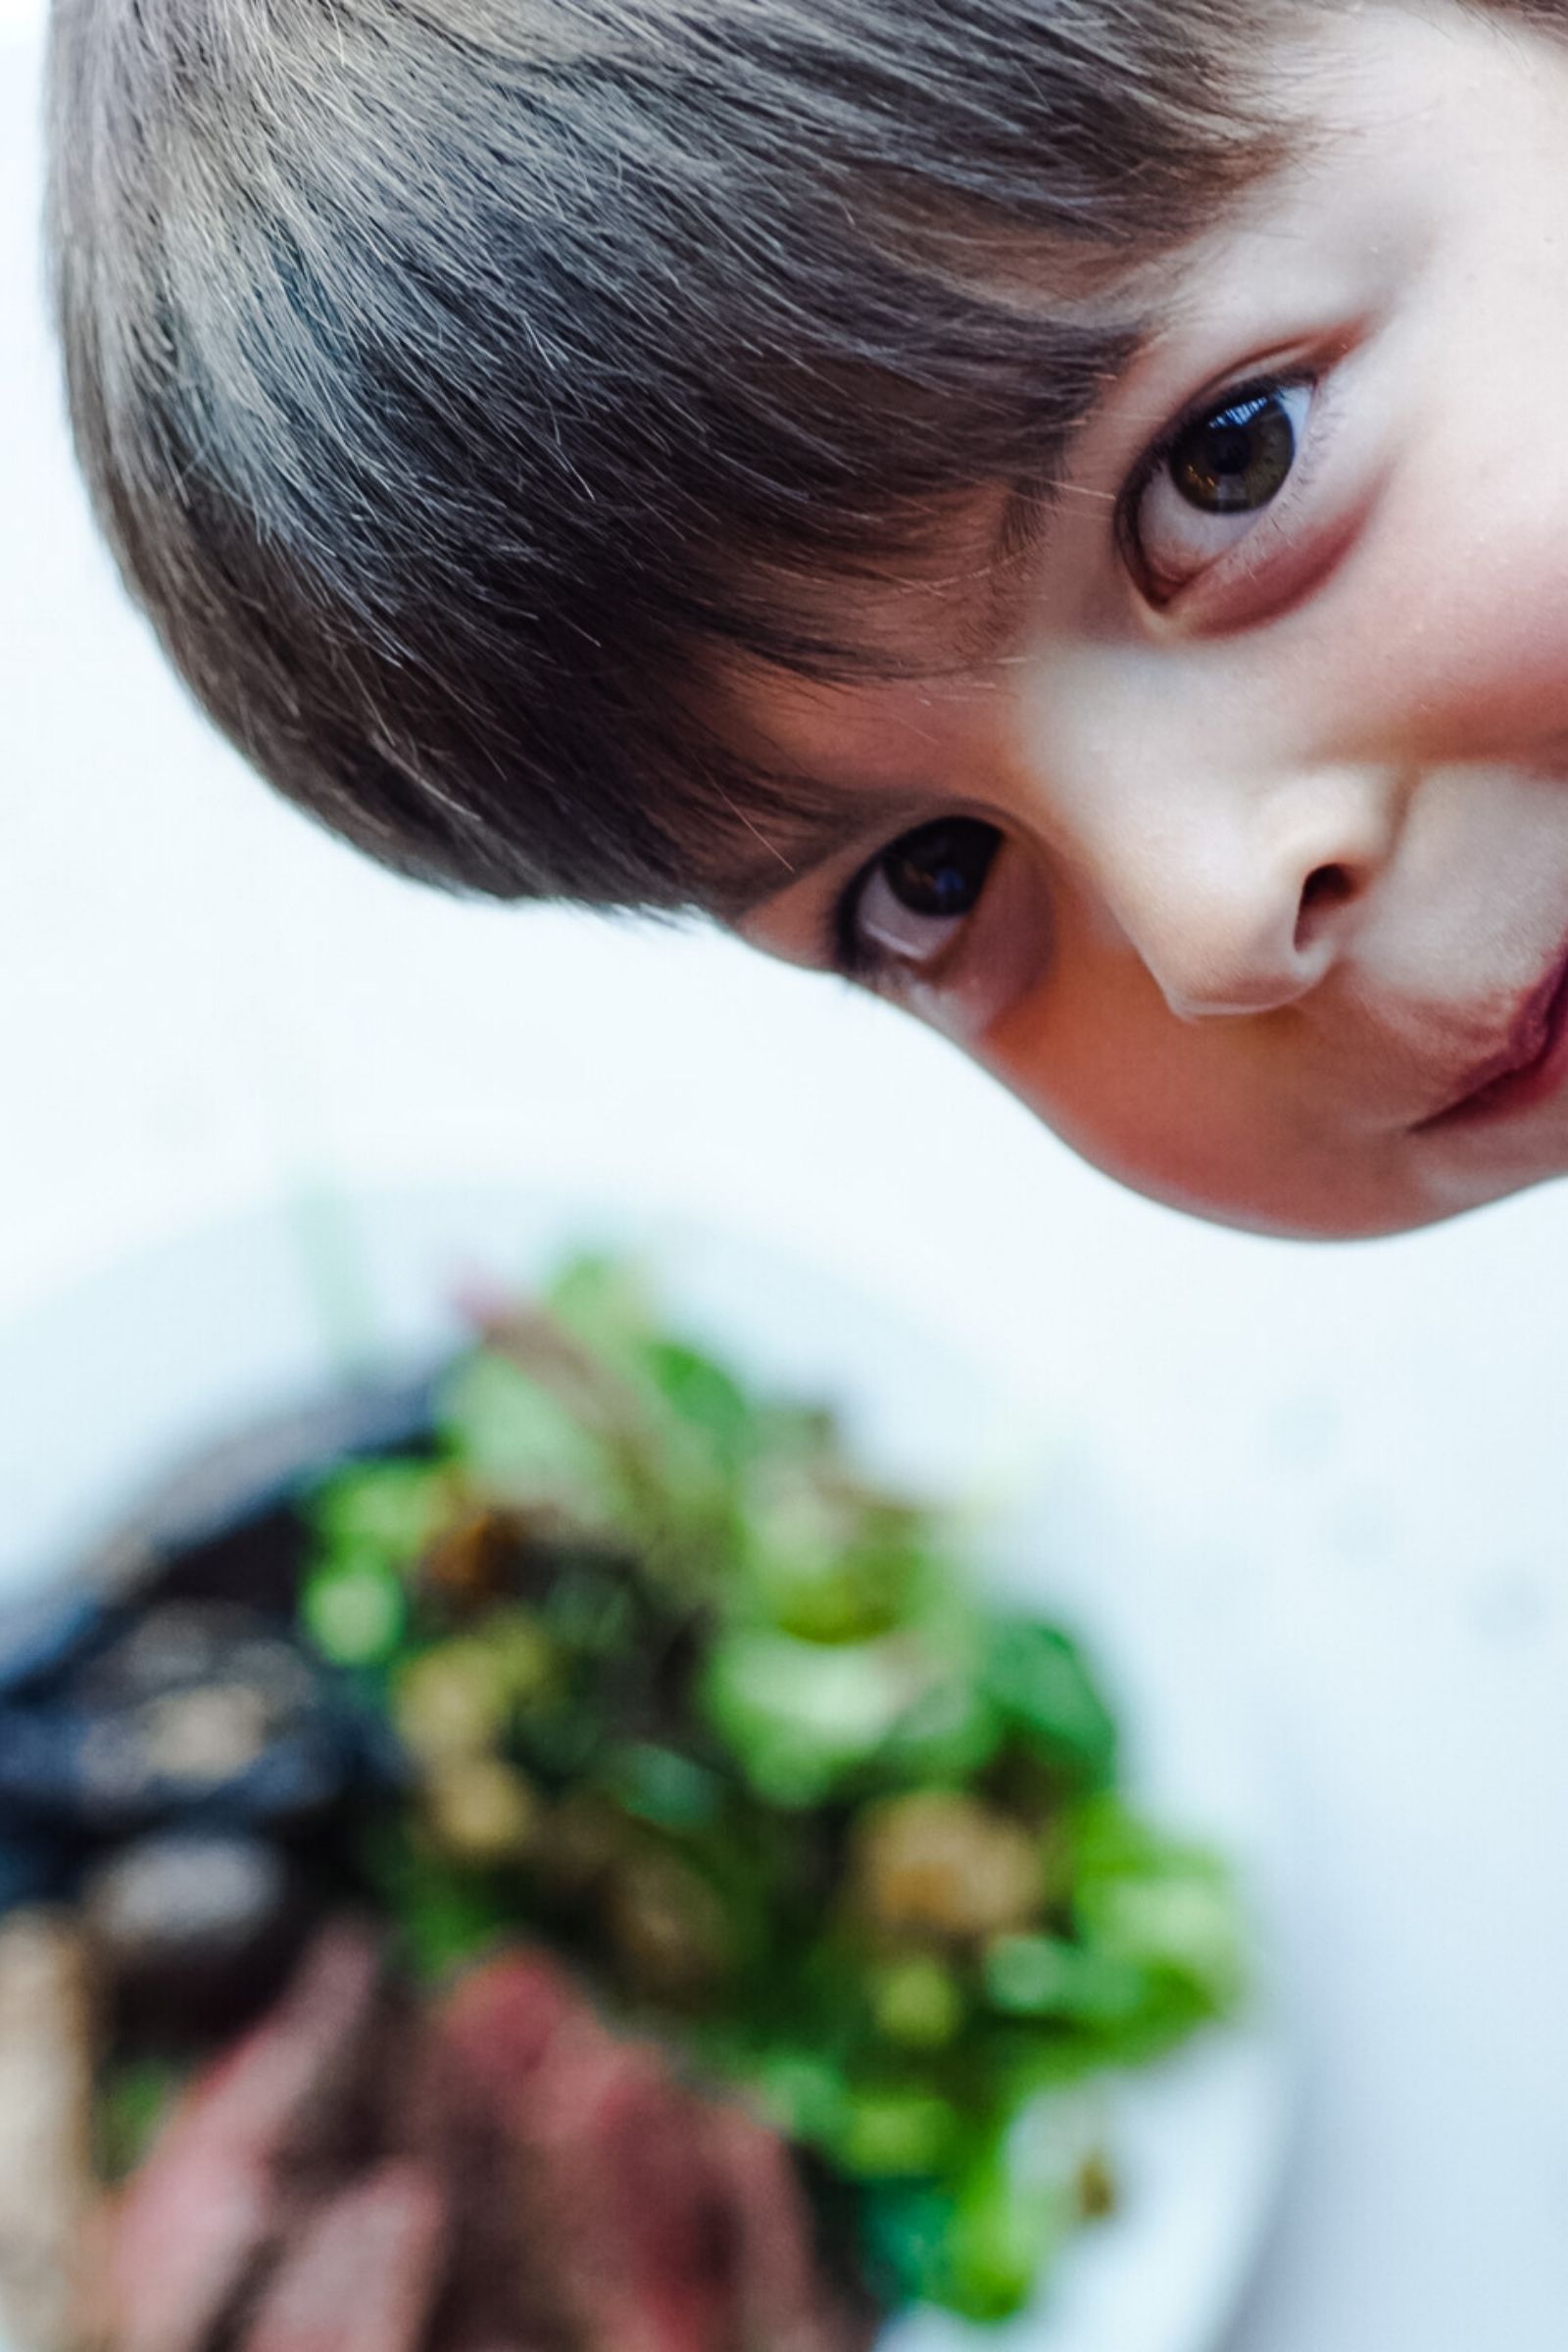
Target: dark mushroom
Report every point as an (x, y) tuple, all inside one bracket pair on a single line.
[(194, 1713), (185, 1645), (193, 1930)]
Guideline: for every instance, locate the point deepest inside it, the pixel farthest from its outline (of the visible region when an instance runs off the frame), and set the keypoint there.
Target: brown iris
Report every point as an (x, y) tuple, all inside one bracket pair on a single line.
[(1235, 459), (941, 868)]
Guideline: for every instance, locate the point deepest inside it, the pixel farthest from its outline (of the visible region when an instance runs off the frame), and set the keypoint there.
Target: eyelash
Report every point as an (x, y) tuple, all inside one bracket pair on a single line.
[(848, 951)]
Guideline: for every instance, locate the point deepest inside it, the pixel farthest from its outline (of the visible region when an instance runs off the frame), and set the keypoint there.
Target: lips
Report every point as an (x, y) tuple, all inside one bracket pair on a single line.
[(1526, 1069)]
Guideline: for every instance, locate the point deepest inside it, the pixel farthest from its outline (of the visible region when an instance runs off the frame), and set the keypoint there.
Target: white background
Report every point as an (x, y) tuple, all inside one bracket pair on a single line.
[(1340, 1472)]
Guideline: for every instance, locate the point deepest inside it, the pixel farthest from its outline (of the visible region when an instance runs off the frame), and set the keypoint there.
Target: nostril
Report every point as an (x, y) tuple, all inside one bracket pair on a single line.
[(1325, 888)]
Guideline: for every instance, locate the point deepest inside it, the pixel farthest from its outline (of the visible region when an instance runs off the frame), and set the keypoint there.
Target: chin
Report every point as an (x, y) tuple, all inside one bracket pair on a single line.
[(1375, 1219), (1279, 1206)]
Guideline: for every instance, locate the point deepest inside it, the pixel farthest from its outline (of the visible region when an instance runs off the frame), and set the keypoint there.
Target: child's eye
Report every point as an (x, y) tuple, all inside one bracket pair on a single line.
[(1207, 483), (910, 903)]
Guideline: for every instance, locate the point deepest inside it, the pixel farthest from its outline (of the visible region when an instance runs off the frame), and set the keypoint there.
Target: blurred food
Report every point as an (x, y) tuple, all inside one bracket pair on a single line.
[(363, 2174), (655, 1884), (188, 1921), (260, 2134), (734, 1729), (190, 1773), (190, 1710), (363, 2273), (48, 2037)]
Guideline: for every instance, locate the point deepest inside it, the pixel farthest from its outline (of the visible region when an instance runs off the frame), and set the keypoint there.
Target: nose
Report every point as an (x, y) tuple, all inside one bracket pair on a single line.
[(1242, 902)]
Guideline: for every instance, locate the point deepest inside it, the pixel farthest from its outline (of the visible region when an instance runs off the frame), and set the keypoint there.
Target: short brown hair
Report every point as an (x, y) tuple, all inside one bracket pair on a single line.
[(454, 378)]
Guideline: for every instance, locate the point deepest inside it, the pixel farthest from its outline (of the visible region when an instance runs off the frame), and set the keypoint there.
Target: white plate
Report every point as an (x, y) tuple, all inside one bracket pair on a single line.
[(111, 1385)]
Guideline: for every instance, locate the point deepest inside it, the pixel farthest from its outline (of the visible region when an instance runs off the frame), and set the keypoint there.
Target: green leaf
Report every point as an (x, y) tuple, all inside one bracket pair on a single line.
[(800, 2091), (799, 1717), (391, 1509), (1162, 1903), (515, 1437), (895, 2132), (447, 1916), (828, 1562), (355, 1608), (904, 2228), (659, 1785), (1030, 1976), (1040, 1682), (917, 2003), (1001, 2236), (606, 1302), (704, 1397), (1045, 1976)]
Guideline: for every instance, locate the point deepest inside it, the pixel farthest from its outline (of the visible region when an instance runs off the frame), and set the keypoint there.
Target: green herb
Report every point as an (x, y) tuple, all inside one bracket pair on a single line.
[(689, 1697)]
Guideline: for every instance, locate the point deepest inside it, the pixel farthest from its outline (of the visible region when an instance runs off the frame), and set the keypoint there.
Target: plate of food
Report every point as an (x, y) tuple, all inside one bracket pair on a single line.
[(551, 1816)]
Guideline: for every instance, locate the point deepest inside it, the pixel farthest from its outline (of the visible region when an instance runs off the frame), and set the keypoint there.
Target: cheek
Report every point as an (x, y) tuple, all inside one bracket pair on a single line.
[(1472, 563), (1201, 1117), (1096, 1055), (1481, 648), (1460, 635)]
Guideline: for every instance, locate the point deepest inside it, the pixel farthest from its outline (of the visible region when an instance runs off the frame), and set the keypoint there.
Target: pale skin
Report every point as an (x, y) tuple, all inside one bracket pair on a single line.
[(1264, 854)]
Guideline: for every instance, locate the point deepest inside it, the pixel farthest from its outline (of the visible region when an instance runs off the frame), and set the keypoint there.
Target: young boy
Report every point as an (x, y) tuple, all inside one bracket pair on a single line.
[(1057, 508)]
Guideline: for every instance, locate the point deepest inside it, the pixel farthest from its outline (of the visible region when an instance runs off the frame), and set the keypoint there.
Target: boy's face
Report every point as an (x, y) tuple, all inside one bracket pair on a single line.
[(1246, 864)]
